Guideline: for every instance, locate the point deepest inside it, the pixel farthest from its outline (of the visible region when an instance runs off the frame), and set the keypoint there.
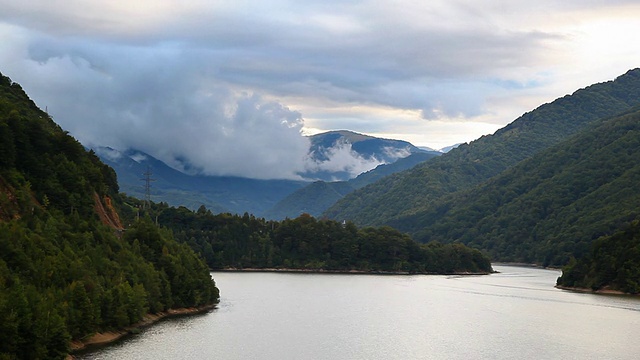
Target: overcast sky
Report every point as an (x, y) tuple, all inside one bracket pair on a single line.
[(231, 86)]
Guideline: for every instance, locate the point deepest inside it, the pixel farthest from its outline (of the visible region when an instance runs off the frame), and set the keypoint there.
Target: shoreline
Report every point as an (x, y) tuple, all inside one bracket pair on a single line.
[(603, 291), (531, 265), (344, 272), (100, 339)]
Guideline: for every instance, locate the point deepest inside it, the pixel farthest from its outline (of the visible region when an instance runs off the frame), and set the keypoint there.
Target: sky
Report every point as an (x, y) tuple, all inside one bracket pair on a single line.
[(231, 87)]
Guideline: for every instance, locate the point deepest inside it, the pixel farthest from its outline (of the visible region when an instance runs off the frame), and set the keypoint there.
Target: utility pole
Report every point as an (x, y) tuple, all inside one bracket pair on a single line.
[(147, 188)]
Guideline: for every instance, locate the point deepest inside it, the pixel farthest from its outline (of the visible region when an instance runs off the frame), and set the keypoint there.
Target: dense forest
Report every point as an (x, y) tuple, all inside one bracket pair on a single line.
[(550, 207), (67, 267), (613, 263), (471, 164), (234, 241)]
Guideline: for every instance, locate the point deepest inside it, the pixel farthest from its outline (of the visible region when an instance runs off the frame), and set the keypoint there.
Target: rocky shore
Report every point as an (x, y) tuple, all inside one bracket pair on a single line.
[(104, 338)]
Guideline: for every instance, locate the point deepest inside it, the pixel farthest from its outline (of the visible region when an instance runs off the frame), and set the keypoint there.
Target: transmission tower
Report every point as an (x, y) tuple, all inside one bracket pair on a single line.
[(147, 188)]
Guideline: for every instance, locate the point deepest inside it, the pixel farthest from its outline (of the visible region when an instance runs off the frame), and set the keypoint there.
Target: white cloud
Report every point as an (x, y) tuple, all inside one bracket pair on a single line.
[(138, 157), (341, 158), (109, 153), (396, 153)]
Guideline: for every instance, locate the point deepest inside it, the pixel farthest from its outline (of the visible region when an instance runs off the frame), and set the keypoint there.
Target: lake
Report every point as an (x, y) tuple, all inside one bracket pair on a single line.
[(515, 314)]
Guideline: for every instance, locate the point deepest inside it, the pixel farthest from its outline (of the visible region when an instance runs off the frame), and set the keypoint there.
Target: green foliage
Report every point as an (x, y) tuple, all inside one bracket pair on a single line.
[(613, 263), (233, 241), (418, 189), (35, 151), (89, 282), (63, 274), (549, 207)]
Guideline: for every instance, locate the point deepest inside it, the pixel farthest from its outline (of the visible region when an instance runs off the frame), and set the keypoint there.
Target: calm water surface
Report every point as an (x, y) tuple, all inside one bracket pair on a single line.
[(516, 314)]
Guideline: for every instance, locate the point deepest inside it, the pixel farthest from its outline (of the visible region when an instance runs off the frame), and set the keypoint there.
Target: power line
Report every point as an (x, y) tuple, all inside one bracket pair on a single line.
[(147, 188)]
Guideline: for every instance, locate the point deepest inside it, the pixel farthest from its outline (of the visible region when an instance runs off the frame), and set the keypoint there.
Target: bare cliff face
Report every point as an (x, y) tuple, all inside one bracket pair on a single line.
[(107, 213)]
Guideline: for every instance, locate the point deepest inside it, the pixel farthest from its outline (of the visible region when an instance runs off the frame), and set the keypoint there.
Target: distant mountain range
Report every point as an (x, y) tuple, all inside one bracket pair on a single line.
[(217, 193), (255, 196)]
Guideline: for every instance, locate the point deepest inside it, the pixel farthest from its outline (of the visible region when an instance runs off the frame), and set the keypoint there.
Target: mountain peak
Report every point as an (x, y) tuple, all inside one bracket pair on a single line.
[(351, 136)]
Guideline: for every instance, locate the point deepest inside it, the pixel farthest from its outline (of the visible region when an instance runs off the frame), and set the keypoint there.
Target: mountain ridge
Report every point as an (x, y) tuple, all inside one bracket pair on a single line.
[(470, 164), (550, 207)]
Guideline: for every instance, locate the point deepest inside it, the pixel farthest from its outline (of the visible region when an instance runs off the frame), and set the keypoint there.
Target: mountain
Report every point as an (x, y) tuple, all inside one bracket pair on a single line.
[(368, 147), (419, 188), (312, 199), (239, 195), (550, 207), (217, 193), (67, 267), (318, 196), (381, 171), (328, 150)]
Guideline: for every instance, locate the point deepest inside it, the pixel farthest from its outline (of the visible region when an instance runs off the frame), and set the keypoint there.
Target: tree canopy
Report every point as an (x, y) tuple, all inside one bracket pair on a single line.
[(233, 241), (550, 207), (613, 263)]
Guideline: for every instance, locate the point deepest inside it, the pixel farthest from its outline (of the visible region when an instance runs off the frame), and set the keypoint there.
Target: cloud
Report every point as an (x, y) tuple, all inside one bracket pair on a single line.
[(109, 153), (227, 87), (340, 158), (396, 153), (137, 157), (163, 102)]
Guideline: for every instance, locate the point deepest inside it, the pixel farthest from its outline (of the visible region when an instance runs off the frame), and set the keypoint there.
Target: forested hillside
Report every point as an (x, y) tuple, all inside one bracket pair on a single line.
[(417, 189), (550, 207), (232, 241), (613, 263), (312, 199), (66, 268)]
